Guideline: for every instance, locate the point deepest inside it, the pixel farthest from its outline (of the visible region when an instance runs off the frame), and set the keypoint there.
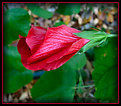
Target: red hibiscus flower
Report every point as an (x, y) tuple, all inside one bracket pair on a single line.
[(48, 49)]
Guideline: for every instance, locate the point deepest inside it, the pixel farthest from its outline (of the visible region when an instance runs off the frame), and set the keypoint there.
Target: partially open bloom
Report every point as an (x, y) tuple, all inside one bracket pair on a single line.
[(48, 49)]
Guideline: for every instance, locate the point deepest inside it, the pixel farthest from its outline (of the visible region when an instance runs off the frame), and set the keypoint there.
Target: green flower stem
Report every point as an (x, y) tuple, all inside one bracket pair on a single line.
[(112, 35)]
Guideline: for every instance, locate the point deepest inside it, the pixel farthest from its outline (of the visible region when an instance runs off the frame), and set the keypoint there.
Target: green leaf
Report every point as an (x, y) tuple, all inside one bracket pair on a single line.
[(76, 63), (91, 44), (96, 38), (105, 74), (58, 85), (58, 23), (80, 84), (35, 9), (15, 21), (15, 75), (68, 8), (91, 35)]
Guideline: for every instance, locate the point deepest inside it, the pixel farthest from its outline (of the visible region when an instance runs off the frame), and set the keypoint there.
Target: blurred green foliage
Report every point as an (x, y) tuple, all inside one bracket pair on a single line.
[(16, 21), (105, 74), (15, 75), (35, 9), (68, 8)]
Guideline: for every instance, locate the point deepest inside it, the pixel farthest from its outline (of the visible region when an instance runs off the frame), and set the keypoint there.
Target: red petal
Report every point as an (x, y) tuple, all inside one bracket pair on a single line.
[(35, 37), (63, 32), (76, 46), (43, 65), (56, 39), (23, 49), (56, 64), (58, 47)]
